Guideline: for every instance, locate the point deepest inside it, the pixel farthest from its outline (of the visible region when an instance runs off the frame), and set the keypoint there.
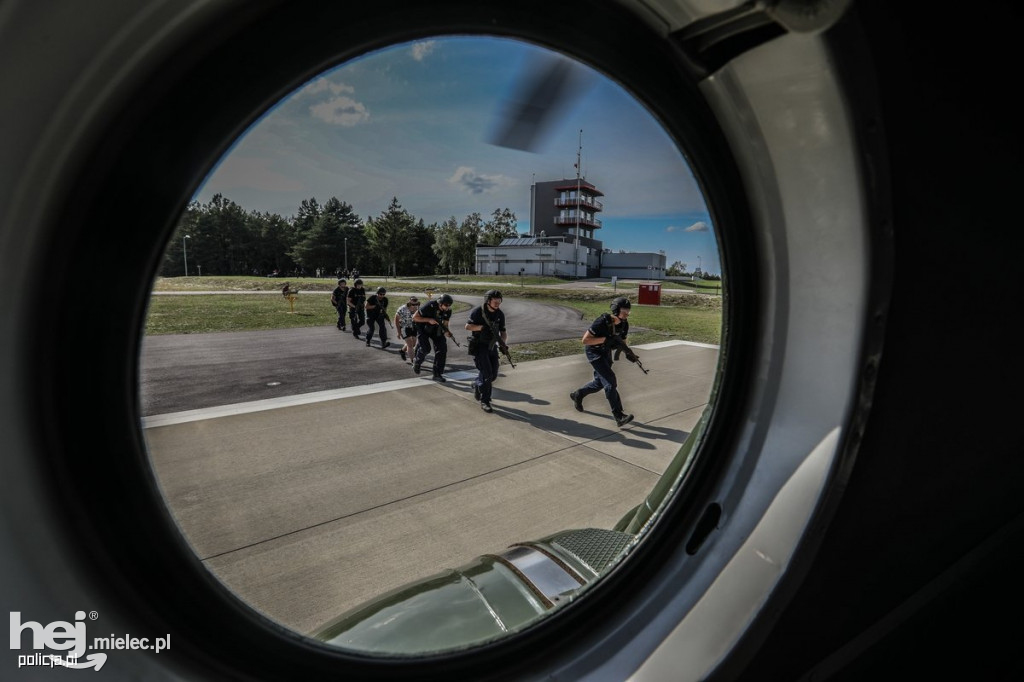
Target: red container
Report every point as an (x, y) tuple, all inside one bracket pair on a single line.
[(649, 294)]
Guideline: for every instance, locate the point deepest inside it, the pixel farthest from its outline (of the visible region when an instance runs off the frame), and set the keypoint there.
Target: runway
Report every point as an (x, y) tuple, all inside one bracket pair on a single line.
[(308, 504)]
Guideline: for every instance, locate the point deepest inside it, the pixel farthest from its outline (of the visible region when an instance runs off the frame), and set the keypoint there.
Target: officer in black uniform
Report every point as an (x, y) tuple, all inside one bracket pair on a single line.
[(622, 331), (487, 322), (339, 299), (598, 342), (431, 328), (377, 314), (356, 302)]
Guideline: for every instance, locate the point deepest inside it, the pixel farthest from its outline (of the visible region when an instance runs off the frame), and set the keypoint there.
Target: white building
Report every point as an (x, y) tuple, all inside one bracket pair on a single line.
[(554, 257), (546, 256), (563, 220)]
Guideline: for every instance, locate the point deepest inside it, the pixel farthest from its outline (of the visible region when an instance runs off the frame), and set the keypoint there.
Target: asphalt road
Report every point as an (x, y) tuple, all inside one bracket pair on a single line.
[(179, 372), (306, 506), (260, 443)]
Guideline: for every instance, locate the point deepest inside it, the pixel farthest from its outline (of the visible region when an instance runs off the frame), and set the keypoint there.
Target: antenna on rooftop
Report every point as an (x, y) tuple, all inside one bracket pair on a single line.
[(576, 264)]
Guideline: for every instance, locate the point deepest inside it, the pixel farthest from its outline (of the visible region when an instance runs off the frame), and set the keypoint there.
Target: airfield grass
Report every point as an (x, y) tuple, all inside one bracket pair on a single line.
[(370, 282), (687, 317), (707, 286)]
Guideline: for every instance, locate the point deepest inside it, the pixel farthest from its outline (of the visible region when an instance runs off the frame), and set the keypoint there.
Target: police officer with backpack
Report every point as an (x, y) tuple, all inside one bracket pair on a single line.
[(598, 342), (431, 322), (487, 322)]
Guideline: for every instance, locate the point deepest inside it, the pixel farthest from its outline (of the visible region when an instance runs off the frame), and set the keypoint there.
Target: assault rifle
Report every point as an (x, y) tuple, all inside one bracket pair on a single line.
[(620, 345), (382, 310), (502, 346), (445, 331)]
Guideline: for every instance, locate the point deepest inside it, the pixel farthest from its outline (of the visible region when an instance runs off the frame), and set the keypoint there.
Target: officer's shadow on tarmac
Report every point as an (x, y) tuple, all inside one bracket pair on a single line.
[(580, 430), (505, 395), (652, 432)]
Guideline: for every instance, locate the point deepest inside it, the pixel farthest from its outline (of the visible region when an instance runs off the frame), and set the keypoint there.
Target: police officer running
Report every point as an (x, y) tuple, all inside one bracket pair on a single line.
[(356, 301), (338, 300), (431, 328), (487, 322), (377, 314), (598, 342)]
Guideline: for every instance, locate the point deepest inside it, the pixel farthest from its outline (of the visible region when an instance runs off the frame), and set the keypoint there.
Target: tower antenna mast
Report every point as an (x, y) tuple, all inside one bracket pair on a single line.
[(576, 262)]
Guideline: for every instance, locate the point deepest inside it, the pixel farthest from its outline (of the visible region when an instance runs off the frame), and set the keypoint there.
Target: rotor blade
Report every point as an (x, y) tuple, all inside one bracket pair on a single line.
[(544, 93)]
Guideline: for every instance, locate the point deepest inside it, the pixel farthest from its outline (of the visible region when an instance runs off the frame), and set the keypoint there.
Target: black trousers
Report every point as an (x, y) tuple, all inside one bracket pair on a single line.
[(377, 320), (486, 362), (357, 316), (424, 339), (604, 378)]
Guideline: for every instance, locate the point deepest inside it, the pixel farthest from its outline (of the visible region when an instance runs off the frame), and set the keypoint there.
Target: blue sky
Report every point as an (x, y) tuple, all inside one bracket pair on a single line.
[(416, 122)]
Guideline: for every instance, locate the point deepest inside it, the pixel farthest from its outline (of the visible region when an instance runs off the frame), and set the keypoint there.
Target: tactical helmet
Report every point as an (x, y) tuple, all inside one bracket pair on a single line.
[(445, 300), (493, 293), (620, 303), (381, 291)]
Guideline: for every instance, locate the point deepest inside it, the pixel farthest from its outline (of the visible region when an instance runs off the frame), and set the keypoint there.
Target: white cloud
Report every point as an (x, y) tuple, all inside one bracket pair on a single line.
[(334, 105), (476, 183), (699, 226), (421, 50), (343, 111)]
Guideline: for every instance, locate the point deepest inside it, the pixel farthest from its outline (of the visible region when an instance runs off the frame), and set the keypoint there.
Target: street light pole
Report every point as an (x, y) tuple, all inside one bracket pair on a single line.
[(346, 255), (184, 250)]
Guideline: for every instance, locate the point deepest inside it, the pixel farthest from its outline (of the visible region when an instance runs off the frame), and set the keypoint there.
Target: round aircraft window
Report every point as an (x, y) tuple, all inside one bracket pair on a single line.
[(224, 444), (432, 344)]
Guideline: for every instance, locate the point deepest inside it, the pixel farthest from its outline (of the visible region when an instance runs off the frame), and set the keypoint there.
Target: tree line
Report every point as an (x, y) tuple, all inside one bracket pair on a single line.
[(222, 238)]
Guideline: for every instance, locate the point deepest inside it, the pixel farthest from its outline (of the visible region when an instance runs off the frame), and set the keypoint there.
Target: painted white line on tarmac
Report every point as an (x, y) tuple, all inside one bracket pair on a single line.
[(172, 418)]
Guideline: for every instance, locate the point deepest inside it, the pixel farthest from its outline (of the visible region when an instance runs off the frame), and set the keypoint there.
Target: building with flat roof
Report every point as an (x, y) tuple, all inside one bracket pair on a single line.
[(562, 242), (633, 264), (545, 256)]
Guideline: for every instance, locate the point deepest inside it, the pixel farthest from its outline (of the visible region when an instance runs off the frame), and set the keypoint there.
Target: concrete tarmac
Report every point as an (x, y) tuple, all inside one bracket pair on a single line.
[(193, 371), (307, 505)]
